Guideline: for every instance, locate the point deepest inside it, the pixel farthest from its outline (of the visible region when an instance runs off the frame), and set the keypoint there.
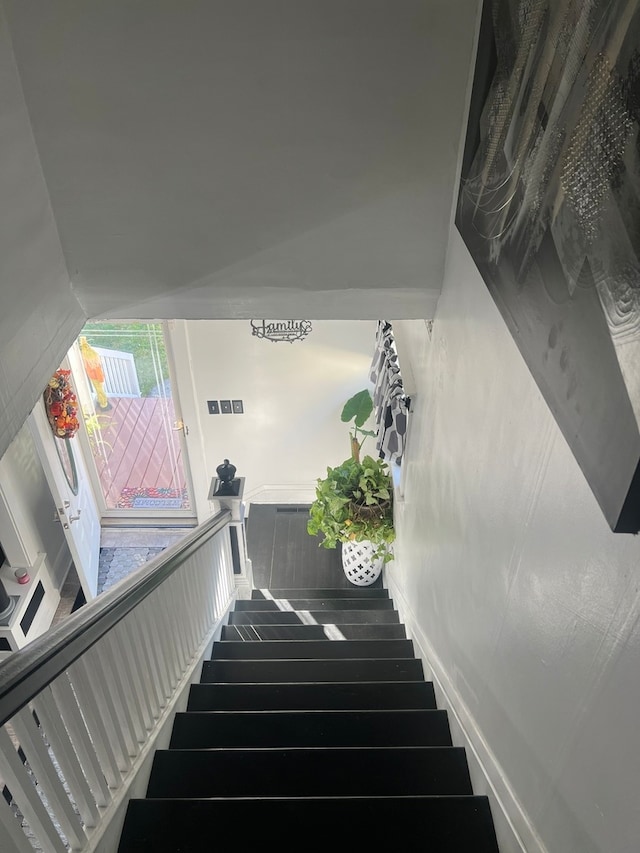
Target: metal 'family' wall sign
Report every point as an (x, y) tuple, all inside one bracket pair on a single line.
[(281, 330)]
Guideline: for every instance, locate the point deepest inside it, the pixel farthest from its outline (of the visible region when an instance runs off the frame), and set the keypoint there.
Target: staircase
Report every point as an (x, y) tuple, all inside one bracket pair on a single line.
[(312, 722)]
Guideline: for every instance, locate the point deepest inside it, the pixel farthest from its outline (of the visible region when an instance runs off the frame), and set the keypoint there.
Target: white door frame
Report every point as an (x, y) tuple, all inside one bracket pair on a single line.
[(179, 352)]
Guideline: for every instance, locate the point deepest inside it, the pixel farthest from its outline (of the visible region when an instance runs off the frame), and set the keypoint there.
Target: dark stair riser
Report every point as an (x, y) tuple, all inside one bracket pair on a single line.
[(311, 649), (311, 632), (353, 592), (328, 617), (229, 729), (318, 604), (262, 671), (436, 824), (311, 697), (391, 771)]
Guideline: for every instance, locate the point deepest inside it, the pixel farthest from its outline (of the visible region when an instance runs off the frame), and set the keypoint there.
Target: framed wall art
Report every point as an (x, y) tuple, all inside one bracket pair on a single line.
[(549, 208)]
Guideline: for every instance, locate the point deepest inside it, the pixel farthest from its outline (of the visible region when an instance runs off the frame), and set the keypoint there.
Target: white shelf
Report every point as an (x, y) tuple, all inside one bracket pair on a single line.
[(13, 631)]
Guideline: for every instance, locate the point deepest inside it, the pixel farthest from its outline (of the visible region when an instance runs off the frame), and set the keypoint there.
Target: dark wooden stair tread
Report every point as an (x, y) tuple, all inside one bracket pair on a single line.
[(315, 604), (313, 632), (312, 696), (207, 729), (358, 669), (338, 771), (457, 824), (352, 592), (321, 617), (310, 649)]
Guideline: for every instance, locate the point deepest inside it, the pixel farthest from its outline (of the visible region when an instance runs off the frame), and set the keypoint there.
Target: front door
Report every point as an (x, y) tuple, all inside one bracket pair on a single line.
[(76, 509)]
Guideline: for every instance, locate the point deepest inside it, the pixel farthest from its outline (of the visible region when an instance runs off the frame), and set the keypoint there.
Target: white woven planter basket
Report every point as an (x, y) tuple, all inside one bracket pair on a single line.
[(358, 563)]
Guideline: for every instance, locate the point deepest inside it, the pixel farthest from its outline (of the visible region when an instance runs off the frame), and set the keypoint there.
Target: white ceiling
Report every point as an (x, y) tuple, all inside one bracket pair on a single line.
[(209, 158)]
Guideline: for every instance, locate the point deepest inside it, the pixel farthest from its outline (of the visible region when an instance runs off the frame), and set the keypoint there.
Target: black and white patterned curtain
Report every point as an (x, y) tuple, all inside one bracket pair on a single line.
[(390, 403)]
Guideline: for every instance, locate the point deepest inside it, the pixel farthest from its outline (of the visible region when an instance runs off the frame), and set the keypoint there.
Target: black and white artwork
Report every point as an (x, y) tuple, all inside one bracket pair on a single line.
[(549, 208)]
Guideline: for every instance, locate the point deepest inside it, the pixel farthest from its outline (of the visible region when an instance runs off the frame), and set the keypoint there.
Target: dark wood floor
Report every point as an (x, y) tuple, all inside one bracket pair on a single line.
[(284, 556)]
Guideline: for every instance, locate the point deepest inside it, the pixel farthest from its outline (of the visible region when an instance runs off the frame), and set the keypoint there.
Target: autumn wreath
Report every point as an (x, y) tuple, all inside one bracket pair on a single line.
[(61, 405)]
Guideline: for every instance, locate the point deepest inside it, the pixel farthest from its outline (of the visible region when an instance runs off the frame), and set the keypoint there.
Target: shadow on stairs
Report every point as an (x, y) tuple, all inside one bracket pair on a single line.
[(312, 721)]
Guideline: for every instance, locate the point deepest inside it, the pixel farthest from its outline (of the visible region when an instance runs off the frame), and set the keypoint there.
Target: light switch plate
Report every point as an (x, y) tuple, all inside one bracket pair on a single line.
[(214, 408), (237, 407), (225, 407)]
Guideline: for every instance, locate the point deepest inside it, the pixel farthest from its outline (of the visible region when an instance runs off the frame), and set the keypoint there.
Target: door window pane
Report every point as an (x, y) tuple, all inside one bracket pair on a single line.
[(130, 418)]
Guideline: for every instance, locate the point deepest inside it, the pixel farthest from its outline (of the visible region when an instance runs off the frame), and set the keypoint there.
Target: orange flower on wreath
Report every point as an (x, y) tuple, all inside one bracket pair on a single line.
[(61, 405)]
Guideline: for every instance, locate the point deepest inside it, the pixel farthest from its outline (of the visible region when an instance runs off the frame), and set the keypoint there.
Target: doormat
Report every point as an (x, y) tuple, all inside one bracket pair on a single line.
[(150, 498), (157, 503)]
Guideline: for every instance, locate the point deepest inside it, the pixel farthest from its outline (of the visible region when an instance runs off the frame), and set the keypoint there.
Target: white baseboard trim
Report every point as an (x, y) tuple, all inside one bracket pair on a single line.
[(287, 493), (514, 830)]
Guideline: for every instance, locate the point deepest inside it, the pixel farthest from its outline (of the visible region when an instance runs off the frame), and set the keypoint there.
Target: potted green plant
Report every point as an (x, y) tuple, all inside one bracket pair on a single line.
[(354, 502)]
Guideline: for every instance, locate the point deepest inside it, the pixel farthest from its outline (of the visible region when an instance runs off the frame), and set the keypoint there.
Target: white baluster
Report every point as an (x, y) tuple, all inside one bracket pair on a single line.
[(172, 639), (114, 685), (39, 758), (104, 688), (199, 606), (92, 713), (12, 835), (144, 642), (23, 790), (57, 735), (131, 682), (155, 645), (139, 642), (67, 703), (185, 616), (182, 621)]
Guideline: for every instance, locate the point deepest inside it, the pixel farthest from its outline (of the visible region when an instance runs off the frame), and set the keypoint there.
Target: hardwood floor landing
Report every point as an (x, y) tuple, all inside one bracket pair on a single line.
[(284, 556)]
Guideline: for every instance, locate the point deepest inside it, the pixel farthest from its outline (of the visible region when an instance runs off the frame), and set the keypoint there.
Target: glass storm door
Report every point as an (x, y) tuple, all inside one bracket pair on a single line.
[(134, 433)]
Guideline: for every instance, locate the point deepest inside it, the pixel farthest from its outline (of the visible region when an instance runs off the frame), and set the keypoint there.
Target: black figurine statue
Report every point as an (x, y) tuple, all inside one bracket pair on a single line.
[(226, 472)]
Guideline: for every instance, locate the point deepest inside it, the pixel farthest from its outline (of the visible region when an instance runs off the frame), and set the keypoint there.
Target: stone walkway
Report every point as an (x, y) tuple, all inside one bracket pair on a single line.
[(122, 551), (117, 563)]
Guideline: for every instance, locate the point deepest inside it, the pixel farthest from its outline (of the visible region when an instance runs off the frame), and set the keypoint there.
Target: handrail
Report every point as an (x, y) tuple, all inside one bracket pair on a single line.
[(27, 672)]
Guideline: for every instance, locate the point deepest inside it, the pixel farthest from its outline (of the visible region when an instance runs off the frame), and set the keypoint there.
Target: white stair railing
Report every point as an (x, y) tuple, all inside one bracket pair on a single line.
[(80, 708)]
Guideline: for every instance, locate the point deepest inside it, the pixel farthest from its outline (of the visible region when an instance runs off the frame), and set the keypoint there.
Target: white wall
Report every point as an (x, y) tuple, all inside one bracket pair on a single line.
[(526, 603), (300, 161), (23, 485), (38, 313), (293, 394)]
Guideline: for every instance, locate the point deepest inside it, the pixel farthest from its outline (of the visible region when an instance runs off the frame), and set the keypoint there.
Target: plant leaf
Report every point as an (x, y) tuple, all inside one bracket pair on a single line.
[(359, 407)]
